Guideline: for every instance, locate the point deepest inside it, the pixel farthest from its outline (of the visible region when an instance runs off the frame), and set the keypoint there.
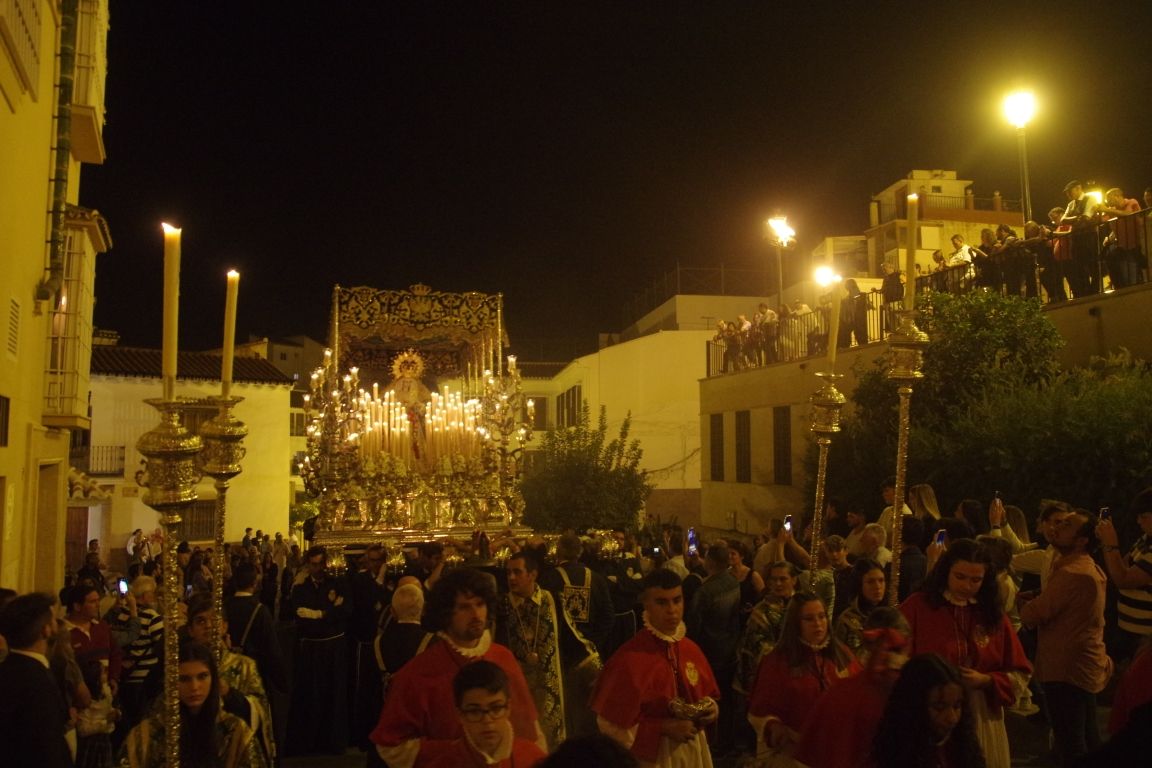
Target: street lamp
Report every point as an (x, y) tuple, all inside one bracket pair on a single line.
[(782, 237), (1019, 106)]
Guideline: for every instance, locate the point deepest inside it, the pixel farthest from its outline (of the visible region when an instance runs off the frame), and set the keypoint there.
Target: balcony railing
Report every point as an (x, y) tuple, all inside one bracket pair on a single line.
[(99, 460), (795, 337), (932, 206)]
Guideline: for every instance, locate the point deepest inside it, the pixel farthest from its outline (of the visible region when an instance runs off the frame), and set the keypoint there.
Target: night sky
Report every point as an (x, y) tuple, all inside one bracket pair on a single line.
[(565, 153)]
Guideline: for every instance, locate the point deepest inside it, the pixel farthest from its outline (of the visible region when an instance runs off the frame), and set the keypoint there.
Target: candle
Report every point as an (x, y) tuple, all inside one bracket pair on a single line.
[(171, 309), (833, 326), (229, 332), (910, 270)]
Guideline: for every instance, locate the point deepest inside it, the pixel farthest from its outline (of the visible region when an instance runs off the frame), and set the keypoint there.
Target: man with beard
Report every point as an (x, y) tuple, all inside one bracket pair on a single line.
[(416, 724)]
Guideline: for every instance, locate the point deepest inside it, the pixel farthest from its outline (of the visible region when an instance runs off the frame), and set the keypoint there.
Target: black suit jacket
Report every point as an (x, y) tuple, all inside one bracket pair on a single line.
[(32, 716), (262, 644)]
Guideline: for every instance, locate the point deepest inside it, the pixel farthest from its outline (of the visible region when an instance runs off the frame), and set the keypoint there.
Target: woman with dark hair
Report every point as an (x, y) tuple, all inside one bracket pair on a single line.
[(927, 722), (972, 512), (209, 736), (751, 583), (958, 614), (869, 584), (805, 662)]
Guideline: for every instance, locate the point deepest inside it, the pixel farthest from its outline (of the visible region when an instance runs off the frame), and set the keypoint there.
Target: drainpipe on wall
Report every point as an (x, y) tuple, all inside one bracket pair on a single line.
[(50, 286)]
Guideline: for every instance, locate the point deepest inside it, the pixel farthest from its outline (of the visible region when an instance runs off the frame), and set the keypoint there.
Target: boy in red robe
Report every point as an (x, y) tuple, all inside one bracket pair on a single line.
[(657, 691), (482, 705)]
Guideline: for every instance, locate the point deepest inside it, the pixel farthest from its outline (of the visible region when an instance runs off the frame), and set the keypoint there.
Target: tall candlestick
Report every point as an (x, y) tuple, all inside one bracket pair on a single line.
[(229, 332), (171, 309), (834, 326), (910, 270)]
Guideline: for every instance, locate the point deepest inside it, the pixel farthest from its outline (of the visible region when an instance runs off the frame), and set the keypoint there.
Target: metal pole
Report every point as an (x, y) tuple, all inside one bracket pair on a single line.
[(780, 272), (1024, 174)]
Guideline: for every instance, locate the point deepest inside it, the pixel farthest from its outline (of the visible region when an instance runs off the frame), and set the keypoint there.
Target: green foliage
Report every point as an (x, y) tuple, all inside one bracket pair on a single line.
[(298, 513), (993, 412), (977, 339), (1084, 437), (580, 479)]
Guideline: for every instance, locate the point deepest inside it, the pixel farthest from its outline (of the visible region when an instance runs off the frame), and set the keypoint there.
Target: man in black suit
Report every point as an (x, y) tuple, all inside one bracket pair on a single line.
[(252, 630), (33, 713)]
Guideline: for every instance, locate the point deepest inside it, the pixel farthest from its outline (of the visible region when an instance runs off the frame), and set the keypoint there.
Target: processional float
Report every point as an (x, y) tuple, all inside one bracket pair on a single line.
[(437, 450)]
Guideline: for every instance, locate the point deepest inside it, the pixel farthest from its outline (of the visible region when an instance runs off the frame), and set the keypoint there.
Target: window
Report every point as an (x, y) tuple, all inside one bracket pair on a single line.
[(716, 446), (540, 408), (782, 444), (20, 37), (297, 424), (568, 405), (4, 409), (199, 523), (743, 446)]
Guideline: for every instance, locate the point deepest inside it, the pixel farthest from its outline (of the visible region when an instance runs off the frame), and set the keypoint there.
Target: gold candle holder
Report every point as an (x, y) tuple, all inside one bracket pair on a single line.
[(220, 459), (827, 402), (906, 360), (170, 476)]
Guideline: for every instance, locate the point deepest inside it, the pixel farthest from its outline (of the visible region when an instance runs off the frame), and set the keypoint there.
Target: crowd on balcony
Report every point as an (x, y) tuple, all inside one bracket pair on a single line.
[(789, 332), (1084, 248)]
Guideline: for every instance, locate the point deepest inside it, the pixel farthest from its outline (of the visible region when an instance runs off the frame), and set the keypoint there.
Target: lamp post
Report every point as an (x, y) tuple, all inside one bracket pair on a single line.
[(1019, 106), (782, 236)]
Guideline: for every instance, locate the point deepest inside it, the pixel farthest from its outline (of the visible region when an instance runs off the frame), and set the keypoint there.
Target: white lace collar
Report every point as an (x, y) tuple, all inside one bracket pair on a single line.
[(818, 646), (959, 602), (481, 648), (675, 637)]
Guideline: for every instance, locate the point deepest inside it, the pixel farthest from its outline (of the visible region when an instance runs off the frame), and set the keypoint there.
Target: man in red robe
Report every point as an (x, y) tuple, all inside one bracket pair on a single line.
[(657, 691), (416, 724)]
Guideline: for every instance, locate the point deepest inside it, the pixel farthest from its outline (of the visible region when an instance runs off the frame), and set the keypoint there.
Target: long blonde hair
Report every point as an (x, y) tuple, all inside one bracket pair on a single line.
[(922, 502)]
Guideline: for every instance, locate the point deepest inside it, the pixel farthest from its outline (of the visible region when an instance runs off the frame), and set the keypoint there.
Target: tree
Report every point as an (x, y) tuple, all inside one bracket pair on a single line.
[(983, 347), (580, 479)]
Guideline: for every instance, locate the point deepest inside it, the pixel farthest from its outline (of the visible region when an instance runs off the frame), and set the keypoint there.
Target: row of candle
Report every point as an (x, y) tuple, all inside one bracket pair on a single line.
[(450, 425), (171, 318)]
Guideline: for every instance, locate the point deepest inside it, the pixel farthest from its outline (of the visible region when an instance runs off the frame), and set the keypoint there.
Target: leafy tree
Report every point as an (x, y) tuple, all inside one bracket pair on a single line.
[(581, 479), (984, 347)]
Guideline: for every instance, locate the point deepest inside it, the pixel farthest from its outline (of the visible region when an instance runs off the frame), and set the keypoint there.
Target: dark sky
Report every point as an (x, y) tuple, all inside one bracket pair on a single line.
[(565, 153)]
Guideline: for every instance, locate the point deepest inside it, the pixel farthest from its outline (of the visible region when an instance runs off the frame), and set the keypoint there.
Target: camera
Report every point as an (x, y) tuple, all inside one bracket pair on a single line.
[(122, 586)]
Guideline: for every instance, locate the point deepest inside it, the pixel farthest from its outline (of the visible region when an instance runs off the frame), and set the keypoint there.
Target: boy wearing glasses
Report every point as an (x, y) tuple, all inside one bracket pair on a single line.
[(482, 705)]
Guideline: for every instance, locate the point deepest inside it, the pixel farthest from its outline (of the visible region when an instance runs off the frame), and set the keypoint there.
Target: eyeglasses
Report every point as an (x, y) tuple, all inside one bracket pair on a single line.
[(477, 714)]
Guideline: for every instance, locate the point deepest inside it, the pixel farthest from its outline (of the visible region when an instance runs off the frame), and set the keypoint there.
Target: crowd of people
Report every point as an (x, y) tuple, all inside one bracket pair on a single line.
[(789, 332), (681, 652), (1082, 249)]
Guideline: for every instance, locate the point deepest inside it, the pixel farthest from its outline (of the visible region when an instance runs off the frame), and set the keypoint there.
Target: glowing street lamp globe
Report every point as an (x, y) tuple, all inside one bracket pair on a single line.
[(1019, 107), (780, 228)]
